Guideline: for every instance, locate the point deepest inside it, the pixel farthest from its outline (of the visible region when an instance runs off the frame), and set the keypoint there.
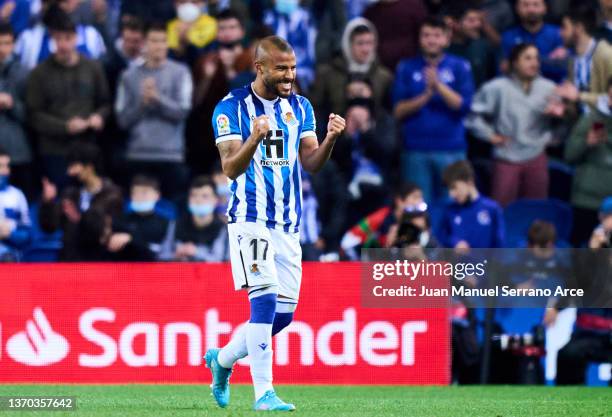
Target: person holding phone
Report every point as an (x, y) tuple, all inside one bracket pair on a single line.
[(589, 149)]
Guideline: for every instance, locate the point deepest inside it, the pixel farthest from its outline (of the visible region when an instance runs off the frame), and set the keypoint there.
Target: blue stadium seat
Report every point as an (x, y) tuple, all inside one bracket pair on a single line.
[(45, 251), (560, 183), (521, 214), (166, 208)]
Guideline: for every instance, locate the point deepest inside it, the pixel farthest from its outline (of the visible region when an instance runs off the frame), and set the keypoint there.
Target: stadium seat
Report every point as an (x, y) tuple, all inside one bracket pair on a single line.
[(521, 214), (166, 208), (560, 180), (42, 252)]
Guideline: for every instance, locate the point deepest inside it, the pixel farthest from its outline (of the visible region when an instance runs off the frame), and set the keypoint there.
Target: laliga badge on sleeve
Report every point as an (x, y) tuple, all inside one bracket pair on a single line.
[(223, 125)]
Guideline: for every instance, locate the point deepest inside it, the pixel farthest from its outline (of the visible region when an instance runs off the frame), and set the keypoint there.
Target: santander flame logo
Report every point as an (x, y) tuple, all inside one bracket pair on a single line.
[(39, 344)]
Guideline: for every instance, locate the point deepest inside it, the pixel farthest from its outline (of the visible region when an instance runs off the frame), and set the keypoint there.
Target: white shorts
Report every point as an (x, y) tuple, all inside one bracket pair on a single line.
[(263, 256)]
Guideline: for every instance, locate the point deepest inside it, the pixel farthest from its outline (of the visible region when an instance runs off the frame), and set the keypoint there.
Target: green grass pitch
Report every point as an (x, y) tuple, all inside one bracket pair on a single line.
[(327, 401)]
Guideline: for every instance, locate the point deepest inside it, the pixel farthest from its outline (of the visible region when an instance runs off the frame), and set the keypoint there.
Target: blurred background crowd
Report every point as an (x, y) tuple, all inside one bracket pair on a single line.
[(466, 121), (470, 124)]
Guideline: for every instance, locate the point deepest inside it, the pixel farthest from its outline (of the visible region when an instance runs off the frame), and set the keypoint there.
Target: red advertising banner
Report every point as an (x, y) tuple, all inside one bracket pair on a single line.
[(115, 323)]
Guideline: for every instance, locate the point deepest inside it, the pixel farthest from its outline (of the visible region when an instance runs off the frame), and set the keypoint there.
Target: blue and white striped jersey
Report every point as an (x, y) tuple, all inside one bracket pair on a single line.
[(269, 192)]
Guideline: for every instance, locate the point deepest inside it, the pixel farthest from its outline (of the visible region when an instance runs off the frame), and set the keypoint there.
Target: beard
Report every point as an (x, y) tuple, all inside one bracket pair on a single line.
[(273, 86), (533, 19)]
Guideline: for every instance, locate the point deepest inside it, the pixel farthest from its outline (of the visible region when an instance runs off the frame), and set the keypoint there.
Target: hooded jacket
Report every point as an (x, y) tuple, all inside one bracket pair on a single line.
[(328, 91)]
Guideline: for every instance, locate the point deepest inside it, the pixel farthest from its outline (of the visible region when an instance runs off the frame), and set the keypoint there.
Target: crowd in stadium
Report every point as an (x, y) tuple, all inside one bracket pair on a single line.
[(456, 110)]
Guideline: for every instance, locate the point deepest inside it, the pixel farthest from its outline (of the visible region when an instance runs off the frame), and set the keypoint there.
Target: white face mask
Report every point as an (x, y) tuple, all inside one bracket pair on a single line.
[(188, 12)]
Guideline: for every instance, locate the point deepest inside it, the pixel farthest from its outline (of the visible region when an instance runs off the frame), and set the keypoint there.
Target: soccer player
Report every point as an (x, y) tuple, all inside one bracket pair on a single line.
[(265, 134)]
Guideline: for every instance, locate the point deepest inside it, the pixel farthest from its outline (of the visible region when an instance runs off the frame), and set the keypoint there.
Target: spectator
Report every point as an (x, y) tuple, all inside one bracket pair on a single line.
[(467, 23), (239, 7), (413, 230), (191, 32), (67, 98), (330, 20), (591, 67), (215, 73), (152, 103), (98, 243), (541, 266), (397, 23), (514, 113), (200, 234), (546, 37), (92, 13), (601, 236), (104, 15), (362, 157), (142, 226), (222, 189), (499, 16), (84, 160), (470, 220), (293, 22), (127, 50), (589, 148), (432, 95), (357, 62), (592, 334), (16, 13), (605, 31), (379, 229), (13, 136), (38, 43), (330, 192), (148, 10), (15, 227), (310, 226), (88, 189), (590, 342)]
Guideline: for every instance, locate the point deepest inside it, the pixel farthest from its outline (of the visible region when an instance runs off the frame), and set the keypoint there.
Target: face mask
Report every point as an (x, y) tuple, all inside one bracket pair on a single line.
[(286, 6), (228, 45), (4, 181), (142, 206), (201, 210), (188, 12)]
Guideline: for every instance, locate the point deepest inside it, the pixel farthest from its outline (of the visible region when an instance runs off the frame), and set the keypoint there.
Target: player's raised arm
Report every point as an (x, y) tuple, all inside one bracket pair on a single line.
[(312, 155), (237, 155)]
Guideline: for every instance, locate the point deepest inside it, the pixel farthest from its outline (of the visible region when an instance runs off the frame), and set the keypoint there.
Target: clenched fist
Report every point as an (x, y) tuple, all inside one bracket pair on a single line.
[(335, 126), (261, 126)]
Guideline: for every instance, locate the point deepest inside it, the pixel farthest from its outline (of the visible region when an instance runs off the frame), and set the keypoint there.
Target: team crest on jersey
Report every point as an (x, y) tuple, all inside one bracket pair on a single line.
[(255, 270), (223, 125), (290, 119), (484, 218)]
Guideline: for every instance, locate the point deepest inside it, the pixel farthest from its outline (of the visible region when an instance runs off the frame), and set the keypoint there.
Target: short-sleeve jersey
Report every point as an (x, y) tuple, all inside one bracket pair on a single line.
[(269, 191)]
